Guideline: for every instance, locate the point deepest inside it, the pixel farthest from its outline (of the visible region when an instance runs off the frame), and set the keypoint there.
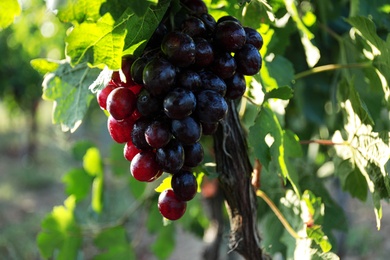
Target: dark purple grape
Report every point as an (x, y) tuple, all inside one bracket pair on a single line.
[(228, 18), (224, 65), (210, 81), (211, 106), (209, 128), (204, 54), (187, 130), (158, 134), (158, 76), (138, 134), (179, 48), (148, 105), (184, 185), (158, 35), (171, 157), (230, 36), (253, 37), (209, 21), (137, 69), (189, 80), (179, 103), (236, 86), (193, 154), (196, 7), (194, 27), (248, 60)]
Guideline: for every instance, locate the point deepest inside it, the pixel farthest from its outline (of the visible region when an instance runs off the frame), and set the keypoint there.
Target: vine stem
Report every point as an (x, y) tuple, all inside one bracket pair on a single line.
[(330, 67), (278, 214), (322, 142)]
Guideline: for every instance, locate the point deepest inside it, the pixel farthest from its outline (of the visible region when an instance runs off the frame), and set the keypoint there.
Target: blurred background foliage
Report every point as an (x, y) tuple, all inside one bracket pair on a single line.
[(35, 154)]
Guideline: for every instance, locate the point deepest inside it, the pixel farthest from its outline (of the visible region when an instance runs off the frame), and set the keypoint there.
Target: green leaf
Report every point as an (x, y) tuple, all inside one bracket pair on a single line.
[(92, 162), (44, 66), (77, 183), (9, 9), (60, 235), (275, 146), (80, 148), (103, 42), (367, 151), (100, 44), (315, 232), (165, 184), (93, 165), (284, 93), (277, 73), (68, 88), (115, 244), (380, 49), (165, 242), (78, 11)]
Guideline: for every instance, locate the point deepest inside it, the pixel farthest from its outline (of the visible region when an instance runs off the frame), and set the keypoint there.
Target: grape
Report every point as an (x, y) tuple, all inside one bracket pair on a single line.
[(184, 185), (120, 131), (179, 48), (103, 94), (197, 7), (158, 134), (209, 128), (210, 81), (158, 35), (208, 21), (170, 206), (130, 151), (137, 69), (138, 134), (187, 130), (158, 76), (230, 35), (171, 157), (144, 167), (189, 80), (224, 65), (127, 62), (204, 53), (121, 103), (148, 105), (194, 27), (228, 18), (179, 103), (211, 106), (236, 86), (193, 154), (248, 60), (253, 37)]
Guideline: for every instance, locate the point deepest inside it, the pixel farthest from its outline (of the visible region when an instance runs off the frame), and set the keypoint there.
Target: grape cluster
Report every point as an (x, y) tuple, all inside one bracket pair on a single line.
[(175, 92)]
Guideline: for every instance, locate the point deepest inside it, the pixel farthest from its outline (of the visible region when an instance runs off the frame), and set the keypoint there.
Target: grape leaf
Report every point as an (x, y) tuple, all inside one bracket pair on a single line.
[(102, 43), (164, 185), (275, 146), (115, 244), (275, 73), (68, 88), (44, 66), (379, 48), (9, 9), (93, 165), (77, 183), (366, 151), (284, 93), (60, 235), (78, 11)]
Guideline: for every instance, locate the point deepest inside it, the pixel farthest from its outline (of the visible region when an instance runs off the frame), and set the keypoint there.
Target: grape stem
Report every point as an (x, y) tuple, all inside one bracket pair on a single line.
[(330, 67), (278, 214)]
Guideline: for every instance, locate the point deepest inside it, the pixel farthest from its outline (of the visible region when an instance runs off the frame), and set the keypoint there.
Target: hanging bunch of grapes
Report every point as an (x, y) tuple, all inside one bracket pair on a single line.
[(175, 92)]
